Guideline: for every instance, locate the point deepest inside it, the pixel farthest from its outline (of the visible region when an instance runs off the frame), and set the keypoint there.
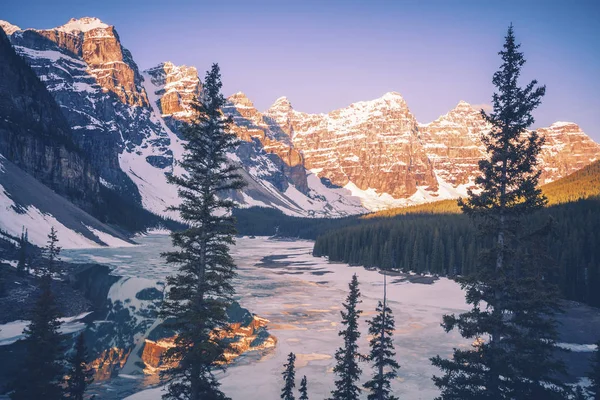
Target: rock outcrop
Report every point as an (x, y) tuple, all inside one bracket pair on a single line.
[(244, 337)]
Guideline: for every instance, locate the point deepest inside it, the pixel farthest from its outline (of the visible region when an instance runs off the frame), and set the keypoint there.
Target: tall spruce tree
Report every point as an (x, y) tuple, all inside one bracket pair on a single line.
[(199, 294), (594, 375), (80, 376), (289, 378), (347, 357), (303, 389), (513, 302), (41, 375), (381, 327)]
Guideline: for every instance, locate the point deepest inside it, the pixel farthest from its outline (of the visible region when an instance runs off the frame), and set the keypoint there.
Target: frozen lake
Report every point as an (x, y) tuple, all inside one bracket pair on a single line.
[(301, 296)]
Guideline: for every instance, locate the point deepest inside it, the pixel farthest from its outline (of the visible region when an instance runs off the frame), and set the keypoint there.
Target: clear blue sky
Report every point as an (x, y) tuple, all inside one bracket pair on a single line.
[(325, 55)]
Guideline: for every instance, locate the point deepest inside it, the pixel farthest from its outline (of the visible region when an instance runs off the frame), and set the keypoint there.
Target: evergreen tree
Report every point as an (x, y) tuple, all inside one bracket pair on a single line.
[(347, 357), (303, 389), (381, 327), (199, 294), (51, 255), (594, 388), (22, 262), (41, 376), (80, 376), (515, 332), (289, 378)]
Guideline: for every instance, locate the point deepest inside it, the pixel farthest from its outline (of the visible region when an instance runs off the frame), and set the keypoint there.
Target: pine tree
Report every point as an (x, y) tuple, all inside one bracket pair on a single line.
[(51, 254), (22, 262), (594, 375), (347, 357), (289, 378), (80, 376), (515, 332), (303, 389), (41, 376), (199, 294), (381, 327)]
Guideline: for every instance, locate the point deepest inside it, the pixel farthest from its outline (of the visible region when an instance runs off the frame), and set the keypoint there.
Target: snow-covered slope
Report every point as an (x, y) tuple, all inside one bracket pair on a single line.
[(26, 203)]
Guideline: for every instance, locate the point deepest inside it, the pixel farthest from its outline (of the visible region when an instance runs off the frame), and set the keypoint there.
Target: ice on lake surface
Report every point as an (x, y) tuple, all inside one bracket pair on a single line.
[(301, 296)]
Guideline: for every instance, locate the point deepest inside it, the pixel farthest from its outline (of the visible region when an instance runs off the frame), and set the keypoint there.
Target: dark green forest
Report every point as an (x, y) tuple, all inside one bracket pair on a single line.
[(448, 244)]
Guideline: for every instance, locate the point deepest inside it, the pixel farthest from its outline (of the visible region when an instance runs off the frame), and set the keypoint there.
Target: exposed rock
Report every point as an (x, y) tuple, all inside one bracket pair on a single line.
[(245, 336), (453, 143), (35, 135), (108, 364), (98, 44), (567, 149), (180, 86)]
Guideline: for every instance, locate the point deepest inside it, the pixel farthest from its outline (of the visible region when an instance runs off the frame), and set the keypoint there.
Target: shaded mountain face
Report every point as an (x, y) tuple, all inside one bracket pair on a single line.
[(35, 135), (369, 155)]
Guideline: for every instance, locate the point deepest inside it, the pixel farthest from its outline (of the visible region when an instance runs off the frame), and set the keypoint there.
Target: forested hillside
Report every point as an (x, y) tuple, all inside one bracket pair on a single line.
[(449, 244), (579, 185)]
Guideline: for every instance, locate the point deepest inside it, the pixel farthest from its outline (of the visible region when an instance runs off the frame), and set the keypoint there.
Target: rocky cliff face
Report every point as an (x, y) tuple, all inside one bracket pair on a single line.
[(370, 144), (98, 44), (453, 144), (567, 149), (35, 135), (101, 93)]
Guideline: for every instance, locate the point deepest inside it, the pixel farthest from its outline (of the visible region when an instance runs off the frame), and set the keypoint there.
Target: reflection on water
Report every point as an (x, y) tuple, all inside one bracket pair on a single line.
[(301, 296)]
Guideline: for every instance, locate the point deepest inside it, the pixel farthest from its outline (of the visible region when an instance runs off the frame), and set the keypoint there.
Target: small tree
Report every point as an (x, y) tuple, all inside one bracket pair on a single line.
[(80, 376), (594, 375), (347, 356), (381, 327), (41, 375), (51, 254), (289, 378), (22, 262), (303, 389), (199, 294)]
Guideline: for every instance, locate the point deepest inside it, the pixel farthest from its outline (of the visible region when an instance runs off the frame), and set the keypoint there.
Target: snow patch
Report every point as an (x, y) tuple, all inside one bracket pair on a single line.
[(84, 24), (13, 331)]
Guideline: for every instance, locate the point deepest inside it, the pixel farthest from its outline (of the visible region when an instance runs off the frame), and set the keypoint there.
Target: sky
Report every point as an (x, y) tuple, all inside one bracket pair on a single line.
[(324, 55)]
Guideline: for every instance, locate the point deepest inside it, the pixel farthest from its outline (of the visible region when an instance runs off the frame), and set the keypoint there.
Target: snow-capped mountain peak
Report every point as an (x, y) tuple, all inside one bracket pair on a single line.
[(282, 104), (561, 124), (394, 96), (8, 28), (85, 24)]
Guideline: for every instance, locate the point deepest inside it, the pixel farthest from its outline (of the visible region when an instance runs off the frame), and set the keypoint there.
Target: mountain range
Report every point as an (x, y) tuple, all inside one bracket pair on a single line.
[(83, 119)]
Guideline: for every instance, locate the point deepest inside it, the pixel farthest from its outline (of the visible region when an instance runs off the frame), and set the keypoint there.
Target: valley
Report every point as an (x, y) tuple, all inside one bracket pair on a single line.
[(155, 228)]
